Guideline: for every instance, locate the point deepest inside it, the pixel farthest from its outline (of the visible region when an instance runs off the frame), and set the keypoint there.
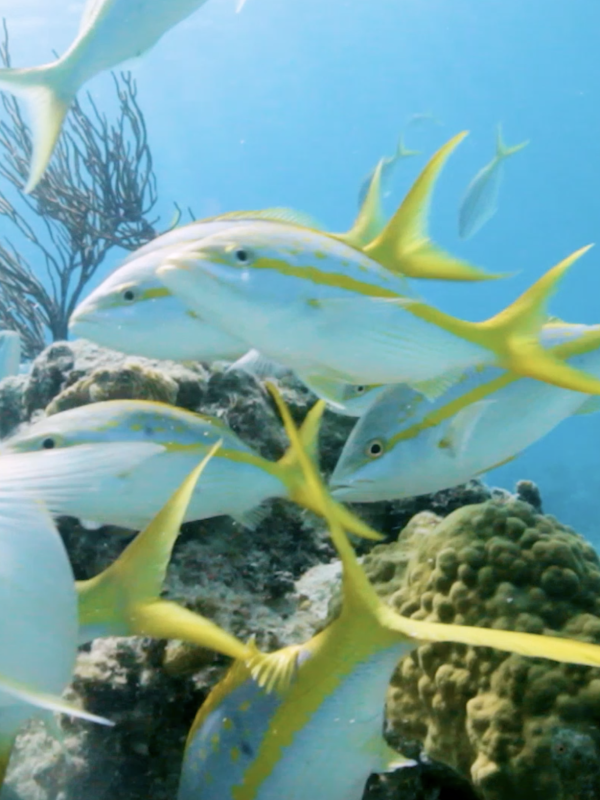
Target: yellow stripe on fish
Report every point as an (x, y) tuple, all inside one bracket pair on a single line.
[(321, 308), (235, 483), (405, 446), (307, 721)]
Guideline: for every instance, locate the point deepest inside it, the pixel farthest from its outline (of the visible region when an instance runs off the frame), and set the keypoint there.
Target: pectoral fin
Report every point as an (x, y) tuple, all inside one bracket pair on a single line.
[(460, 430), (48, 702)]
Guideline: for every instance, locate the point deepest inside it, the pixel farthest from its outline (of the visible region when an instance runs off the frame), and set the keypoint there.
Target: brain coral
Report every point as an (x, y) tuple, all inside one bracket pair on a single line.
[(520, 728)]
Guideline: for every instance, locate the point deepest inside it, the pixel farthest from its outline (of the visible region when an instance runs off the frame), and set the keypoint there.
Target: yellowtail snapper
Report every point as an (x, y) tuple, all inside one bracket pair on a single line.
[(405, 445), (110, 32), (307, 721), (480, 202), (236, 481)]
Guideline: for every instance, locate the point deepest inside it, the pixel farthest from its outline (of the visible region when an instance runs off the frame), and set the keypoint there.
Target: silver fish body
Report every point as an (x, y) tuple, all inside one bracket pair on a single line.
[(315, 305), (403, 447), (229, 486), (480, 201), (331, 756), (38, 625)]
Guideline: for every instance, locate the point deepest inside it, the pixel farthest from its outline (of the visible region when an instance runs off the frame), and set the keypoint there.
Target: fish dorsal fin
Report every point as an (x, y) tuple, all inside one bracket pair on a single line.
[(462, 426), (297, 471), (436, 387), (124, 599), (404, 245), (371, 219), (504, 151), (274, 672), (276, 214), (567, 651), (358, 591), (255, 363)]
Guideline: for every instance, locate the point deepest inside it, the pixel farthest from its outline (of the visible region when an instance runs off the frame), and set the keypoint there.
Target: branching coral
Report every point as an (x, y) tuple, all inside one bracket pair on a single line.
[(97, 194)]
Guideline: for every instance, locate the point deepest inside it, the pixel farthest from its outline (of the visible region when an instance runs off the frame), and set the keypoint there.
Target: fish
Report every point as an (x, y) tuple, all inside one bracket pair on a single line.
[(124, 599), (405, 445), (322, 308), (110, 32), (236, 482), (342, 398), (10, 353), (39, 622), (134, 312), (307, 720), (388, 165), (480, 201)]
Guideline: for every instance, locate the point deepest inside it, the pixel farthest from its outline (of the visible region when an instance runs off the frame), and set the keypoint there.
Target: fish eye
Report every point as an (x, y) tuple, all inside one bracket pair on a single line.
[(360, 389), (242, 255), (48, 443), (375, 448), (129, 295)]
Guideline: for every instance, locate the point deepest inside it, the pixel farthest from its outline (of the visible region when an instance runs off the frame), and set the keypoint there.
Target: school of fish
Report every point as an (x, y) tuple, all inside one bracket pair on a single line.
[(437, 399)]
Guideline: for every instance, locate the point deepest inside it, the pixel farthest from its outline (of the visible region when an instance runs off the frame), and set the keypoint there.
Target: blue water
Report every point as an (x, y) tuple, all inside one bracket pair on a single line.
[(291, 102)]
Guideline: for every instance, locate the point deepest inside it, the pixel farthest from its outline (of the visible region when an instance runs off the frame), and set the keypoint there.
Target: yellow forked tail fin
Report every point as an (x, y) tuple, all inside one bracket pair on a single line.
[(568, 651), (339, 518), (503, 150), (404, 245), (293, 469), (48, 100), (513, 334), (124, 599)]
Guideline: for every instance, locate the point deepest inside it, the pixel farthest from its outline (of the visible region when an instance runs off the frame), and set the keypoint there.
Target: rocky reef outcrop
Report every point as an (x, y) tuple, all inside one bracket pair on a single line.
[(276, 583)]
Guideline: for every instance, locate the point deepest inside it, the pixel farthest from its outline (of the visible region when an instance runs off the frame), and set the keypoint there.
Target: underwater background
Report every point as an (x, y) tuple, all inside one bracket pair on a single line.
[(291, 103)]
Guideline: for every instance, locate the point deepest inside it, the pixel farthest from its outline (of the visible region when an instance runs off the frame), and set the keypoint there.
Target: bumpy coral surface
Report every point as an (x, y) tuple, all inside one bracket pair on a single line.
[(520, 728)]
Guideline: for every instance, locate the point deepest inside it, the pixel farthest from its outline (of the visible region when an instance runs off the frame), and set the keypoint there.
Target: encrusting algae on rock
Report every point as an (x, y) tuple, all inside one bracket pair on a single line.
[(515, 726)]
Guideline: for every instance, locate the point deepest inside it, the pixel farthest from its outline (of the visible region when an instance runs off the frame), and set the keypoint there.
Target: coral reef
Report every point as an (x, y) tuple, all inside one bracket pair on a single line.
[(272, 583), (517, 727)]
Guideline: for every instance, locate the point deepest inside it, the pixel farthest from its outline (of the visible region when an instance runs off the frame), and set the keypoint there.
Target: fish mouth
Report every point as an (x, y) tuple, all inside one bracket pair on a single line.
[(80, 321), (341, 488)]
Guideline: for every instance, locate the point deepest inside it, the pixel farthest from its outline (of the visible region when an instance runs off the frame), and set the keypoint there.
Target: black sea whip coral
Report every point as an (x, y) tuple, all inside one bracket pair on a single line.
[(98, 193)]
